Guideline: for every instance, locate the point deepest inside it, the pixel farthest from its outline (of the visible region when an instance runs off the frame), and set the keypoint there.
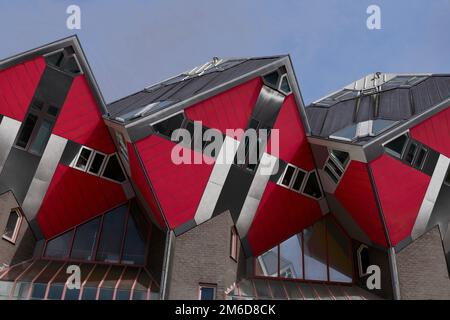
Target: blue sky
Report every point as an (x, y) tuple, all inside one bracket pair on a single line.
[(131, 44)]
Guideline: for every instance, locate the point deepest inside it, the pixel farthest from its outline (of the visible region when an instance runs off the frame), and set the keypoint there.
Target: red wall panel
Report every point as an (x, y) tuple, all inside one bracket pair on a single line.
[(17, 87), (435, 132), (80, 119), (293, 145), (138, 177), (228, 110), (178, 188), (401, 190), (356, 195), (74, 197), (281, 213)]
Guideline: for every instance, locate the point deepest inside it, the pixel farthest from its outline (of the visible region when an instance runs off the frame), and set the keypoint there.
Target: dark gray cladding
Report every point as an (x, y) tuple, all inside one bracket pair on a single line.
[(183, 87), (396, 101)]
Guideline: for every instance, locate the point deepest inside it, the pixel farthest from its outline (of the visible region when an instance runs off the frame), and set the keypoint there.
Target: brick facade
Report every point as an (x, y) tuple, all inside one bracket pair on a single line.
[(202, 255), (422, 269)]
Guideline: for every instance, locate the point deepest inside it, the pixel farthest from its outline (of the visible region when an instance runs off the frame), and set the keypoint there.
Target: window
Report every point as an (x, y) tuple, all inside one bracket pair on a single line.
[(410, 154), (271, 78), (336, 164), (320, 252), (312, 186), (97, 163), (397, 146), (363, 259), (65, 60), (284, 85), (234, 244), (288, 175), (110, 243), (168, 126), (136, 237), (83, 158), (85, 240), (13, 225), (207, 292), (59, 247), (298, 181), (113, 169), (420, 159), (37, 127), (122, 146)]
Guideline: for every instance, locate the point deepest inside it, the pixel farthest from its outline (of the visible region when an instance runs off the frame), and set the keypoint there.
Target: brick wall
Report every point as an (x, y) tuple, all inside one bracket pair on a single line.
[(422, 269), (10, 253), (202, 255)]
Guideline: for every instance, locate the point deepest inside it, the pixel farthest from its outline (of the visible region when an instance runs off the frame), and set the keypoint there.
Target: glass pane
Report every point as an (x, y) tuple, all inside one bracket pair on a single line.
[(207, 293), (112, 235), (312, 187), (396, 146), (341, 156), (96, 163), (267, 263), (55, 291), (11, 224), (59, 247), (40, 142), (262, 288), (139, 295), (291, 258), (89, 293), (21, 290), (83, 159), (288, 176), (5, 288), (292, 290), (271, 78), (168, 126), (420, 158), (106, 294), (113, 170), (86, 240), (72, 294), (284, 86), (346, 134), (38, 291), (411, 153), (315, 252), (27, 130), (123, 294), (298, 180), (277, 289), (380, 125), (339, 259), (136, 238)]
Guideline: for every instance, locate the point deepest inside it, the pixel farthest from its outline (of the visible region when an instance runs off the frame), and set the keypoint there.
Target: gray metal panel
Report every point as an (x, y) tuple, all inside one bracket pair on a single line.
[(43, 176), (316, 117), (365, 109), (425, 95), (443, 85), (18, 172), (266, 168), (8, 132), (431, 196), (268, 106), (395, 105), (338, 117), (70, 152), (216, 180)]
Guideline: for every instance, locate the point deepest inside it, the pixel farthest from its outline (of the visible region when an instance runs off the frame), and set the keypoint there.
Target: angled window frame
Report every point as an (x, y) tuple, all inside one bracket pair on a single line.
[(316, 173), (361, 272), (393, 153), (284, 76), (207, 286), (74, 162), (234, 244), (91, 160), (121, 167), (18, 225)]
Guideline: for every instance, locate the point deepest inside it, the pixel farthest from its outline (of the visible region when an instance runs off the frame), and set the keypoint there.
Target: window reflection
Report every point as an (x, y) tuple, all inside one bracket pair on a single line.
[(111, 241), (315, 252), (291, 258), (267, 263), (59, 247), (85, 240)]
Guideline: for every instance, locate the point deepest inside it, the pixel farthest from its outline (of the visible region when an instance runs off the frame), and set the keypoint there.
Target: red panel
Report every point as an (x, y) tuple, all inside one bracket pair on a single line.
[(81, 121), (281, 213), (356, 195), (74, 197), (435, 132), (293, 145), (17, 87), (401, 190), (178, 188), (228, 110), (138, 176)]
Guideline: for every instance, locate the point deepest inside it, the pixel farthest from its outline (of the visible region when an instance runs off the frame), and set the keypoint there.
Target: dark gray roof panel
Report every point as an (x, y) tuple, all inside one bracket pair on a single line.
[(316, 117), (339, 116), (398, 99), (182, 87), (395, 105)]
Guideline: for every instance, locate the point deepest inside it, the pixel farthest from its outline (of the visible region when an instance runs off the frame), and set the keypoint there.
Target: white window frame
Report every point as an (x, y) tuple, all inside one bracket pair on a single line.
[(281, 81), (121, 167), (280, 179), (234, 244), (303, 182), (92, 159), (361, 272), (75, 160), (318, 182), (404, 147), (337, 163), (13, 239), (207, 285)]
